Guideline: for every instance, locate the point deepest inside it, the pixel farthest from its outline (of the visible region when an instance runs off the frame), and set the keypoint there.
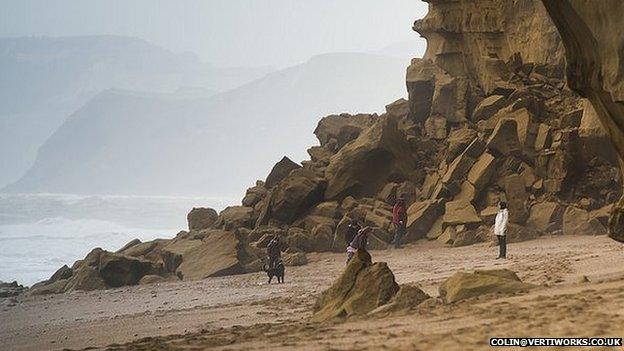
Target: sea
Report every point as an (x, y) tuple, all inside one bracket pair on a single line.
[(41, 232)]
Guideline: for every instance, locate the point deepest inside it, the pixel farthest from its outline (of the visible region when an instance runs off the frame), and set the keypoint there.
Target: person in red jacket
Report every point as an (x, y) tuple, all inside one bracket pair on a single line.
[(399, 220)]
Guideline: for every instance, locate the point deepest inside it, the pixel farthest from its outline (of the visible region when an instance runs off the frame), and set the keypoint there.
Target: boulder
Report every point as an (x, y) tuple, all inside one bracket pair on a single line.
[(526, 129), (362, 287), (435, 127), (577, 221), (295, 259), (482, 171), (85, 278), (436, 229), (57, 287), (201, 218), (517, 197), (504, 138), (488, 214), (545, 216), (448, 236), (602, 214), (119, 270), (388, 193), (467, 193), (488, 107), (254, 194), (361, 168), (543, 139), (458, 169), (429, 185), (379, 218), (219, 254), (458, 140), (265, 232), (460, 212), (420, 86), (328, 209), (472, 236), (407, 298), (572, 119), (130, 244), (292, 197), (420, 217), (321, 238), (517, 233), (149, 250), (335, 131), (280, 171), (233, 217), (62, 273), (399, 109), (463, 285), (449, 98), (320, 154)]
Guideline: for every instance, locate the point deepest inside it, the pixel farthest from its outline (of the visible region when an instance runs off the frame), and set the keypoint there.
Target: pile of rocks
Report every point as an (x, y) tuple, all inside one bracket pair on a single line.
[(11, 289), (488, 118)]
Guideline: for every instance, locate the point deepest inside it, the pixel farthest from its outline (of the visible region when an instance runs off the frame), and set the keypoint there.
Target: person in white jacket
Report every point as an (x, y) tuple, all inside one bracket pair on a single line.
[(500, 229)]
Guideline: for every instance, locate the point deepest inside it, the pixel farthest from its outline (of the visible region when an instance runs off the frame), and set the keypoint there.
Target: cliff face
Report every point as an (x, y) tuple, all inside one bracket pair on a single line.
[(475, 38), (593, 36)]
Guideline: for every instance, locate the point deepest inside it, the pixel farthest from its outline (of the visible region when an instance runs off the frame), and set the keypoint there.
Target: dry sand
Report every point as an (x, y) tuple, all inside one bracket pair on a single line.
[(244, 313)]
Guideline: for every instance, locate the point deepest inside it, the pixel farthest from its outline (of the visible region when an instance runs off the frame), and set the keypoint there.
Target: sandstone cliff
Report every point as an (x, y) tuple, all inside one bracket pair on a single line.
[(593, 35)]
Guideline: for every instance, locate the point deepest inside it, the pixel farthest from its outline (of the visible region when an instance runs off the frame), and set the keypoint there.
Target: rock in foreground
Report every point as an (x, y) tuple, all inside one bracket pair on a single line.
[(463, 285), (362, 287)]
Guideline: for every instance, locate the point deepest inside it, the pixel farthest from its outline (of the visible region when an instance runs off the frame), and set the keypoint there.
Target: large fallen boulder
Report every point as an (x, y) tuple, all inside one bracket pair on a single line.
[(406, 299), (420, 218), (381, 154), (99, 270), (233, 217), (545, 216), (334, 131), (576, 221), (280, 171), (201, 218), (295, 195), (504, 138), (464, 285), (362, 287), (460, 213), (220, 253)]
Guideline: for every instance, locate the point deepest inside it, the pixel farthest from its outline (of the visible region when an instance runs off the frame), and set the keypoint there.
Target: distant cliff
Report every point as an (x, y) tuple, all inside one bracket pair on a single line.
[(121, 142), (43, 80)]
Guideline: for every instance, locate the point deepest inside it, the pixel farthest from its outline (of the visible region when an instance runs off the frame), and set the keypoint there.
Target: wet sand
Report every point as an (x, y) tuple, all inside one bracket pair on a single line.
[(244, 313)]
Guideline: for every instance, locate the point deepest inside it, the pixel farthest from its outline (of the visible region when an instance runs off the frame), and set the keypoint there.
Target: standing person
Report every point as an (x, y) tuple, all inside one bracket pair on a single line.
[(500, 229), (274, 251), (359, 242), (399, 219), (352, 229)]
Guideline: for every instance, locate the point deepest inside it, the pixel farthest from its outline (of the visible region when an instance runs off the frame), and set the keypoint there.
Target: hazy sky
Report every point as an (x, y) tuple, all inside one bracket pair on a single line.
[(226, 32)]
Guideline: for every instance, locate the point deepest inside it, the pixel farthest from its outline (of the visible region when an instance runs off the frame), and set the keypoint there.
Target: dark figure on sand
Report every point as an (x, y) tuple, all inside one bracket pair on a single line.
[(399, 219), (274, 251), (359, 242)]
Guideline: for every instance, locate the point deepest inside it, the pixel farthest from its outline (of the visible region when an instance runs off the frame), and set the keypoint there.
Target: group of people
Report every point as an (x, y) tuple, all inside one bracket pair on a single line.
[(356, 237)]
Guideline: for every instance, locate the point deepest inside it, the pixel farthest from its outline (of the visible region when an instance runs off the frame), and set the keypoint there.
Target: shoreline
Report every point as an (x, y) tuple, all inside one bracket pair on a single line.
[(226, 305)]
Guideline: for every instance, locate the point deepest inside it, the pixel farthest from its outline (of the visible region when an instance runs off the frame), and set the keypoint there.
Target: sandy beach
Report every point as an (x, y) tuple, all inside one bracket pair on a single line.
[(244, 313)]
